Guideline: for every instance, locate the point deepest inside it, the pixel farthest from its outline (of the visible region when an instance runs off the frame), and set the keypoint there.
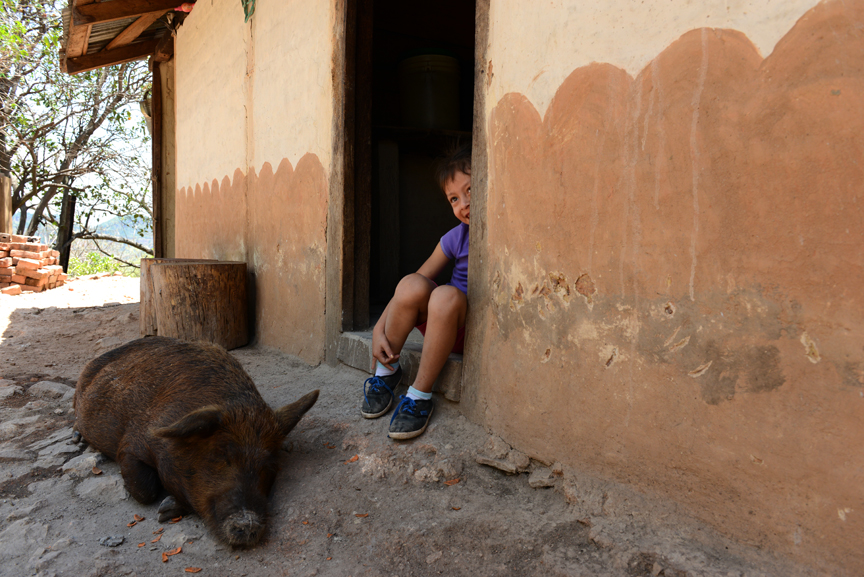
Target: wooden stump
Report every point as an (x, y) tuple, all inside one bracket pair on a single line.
[(195, 300)]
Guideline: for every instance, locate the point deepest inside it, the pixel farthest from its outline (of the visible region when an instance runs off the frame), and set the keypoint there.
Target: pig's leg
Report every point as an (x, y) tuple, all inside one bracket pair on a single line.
[(141, 479), (170, 509)]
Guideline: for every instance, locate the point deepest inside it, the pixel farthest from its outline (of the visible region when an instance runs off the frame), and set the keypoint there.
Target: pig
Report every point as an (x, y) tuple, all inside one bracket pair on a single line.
[(185, 417)]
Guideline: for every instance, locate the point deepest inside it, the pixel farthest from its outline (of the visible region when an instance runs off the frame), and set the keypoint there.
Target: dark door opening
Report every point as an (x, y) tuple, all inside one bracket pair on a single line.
[(414, 96)]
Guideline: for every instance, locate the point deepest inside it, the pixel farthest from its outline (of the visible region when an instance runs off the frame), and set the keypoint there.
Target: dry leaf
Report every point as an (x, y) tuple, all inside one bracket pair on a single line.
[(328, 558), (329, 535), (142, 544), (164, 557), (455, 508), (159, 530), (156, 540), (352, 459), (96, 471), (176, 519), (193, 569), (132, 524), (174, 551), (305, 522), (363, 515), (451, 482), (138, 517)]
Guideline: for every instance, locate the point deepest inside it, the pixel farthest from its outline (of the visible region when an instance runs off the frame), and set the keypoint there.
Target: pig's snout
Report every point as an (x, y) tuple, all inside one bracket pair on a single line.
[(243, 528)]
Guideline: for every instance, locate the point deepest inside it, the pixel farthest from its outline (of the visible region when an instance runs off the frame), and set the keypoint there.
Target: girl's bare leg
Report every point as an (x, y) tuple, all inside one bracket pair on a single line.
[(407, 309), (445, 315)]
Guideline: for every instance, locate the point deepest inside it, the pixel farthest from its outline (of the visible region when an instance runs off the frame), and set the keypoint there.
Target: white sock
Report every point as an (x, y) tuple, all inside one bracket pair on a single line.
[(418, 395), (382, 371)]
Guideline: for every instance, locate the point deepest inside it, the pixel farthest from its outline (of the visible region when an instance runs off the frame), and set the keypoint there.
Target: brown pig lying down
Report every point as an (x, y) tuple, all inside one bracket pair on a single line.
[(187, 418)]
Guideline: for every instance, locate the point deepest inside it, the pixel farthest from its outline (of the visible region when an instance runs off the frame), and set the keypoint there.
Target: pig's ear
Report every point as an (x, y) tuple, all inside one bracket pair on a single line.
[(202, 422), (290, 415)]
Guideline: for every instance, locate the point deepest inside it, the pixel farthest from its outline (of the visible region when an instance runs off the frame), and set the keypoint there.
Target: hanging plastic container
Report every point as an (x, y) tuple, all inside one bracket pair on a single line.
[(429, 91)]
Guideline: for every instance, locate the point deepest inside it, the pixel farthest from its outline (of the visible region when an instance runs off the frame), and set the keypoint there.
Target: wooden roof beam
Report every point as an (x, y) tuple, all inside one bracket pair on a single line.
[(79, 36), (137, 51), (118, 10), (134, 30)]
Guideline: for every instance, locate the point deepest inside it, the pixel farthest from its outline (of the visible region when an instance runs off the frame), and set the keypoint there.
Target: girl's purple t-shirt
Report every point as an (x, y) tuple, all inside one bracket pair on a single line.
[(455, 246)]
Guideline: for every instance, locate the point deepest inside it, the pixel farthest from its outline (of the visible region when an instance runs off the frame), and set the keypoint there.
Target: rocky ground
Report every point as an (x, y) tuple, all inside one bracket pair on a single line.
[(348, 502)]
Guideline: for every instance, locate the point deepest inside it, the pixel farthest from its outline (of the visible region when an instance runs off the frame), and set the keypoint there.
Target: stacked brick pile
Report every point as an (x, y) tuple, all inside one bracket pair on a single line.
[(28, 265)]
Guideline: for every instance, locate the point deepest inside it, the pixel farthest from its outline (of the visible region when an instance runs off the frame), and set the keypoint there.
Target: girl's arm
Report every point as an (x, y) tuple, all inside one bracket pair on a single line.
[(434, 264)]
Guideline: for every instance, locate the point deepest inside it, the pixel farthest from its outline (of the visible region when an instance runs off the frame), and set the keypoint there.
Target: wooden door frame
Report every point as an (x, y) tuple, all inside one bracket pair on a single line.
[(349, 218)]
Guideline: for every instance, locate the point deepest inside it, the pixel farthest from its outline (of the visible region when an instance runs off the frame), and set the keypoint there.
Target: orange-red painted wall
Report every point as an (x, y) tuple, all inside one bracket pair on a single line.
[(671, 288)]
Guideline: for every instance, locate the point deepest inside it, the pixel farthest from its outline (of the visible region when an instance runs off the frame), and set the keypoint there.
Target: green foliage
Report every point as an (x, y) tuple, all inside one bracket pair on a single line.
[(94, 262), (64, 136)]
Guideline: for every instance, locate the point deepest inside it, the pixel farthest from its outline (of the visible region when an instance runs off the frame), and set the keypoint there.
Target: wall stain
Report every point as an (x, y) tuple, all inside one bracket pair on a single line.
[(585, 287), (810, 349)]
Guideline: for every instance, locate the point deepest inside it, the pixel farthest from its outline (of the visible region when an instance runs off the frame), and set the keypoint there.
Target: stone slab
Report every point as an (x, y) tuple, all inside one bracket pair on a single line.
[(355, 350)]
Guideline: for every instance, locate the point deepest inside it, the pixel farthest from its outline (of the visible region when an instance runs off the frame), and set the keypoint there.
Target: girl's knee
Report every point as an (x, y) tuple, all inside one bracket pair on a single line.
[(447, 299), (412, 287)]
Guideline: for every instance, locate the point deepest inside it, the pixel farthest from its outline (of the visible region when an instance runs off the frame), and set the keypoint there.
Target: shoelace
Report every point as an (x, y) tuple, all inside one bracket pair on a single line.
[(376, 384), (407, 405)]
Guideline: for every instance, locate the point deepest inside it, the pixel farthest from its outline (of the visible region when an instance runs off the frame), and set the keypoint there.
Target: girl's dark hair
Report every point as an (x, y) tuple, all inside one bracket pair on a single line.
[(457, 158)]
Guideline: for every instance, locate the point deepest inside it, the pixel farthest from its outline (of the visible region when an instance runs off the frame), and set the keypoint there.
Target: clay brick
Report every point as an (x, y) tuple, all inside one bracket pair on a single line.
[(5, 262), (26, 254), (31, 247), (11, 290), (18, 278), (4, 253), (5, 284), (18, 238), (27, 263), (35, 289), (35, 274), (36, 281), (55, 253), (5, 237), (63, 276), (5, 246), (7, 271)]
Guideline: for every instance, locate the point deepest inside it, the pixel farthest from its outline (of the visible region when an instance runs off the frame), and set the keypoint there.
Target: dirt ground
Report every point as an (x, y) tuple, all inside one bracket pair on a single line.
[(422, 507)]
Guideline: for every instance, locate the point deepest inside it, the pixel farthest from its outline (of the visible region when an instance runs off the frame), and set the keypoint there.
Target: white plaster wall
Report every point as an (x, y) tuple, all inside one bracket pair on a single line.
[(210, 56), (292, 81), (534, 46), (256, 92)]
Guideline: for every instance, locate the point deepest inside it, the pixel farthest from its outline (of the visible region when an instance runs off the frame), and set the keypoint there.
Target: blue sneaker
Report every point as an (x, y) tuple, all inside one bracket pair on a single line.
[(411, 418), (379, 393)]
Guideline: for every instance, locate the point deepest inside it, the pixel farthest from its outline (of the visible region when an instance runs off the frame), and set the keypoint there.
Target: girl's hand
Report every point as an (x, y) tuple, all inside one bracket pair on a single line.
[(382, 351)]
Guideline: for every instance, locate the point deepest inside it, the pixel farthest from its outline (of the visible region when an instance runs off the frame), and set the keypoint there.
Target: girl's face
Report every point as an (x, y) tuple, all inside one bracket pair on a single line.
[(458, 193)]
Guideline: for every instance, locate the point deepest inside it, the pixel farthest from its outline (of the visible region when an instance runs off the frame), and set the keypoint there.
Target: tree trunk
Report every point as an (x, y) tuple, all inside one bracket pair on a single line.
[(64, 233), (147, 309), (195, 301)]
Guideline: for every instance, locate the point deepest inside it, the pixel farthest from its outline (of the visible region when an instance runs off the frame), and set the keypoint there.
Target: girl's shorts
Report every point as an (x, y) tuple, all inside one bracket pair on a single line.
[(458, 347)]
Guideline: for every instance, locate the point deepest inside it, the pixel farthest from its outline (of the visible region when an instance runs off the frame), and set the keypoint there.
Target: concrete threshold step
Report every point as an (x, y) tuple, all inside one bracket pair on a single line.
[(355, 350)]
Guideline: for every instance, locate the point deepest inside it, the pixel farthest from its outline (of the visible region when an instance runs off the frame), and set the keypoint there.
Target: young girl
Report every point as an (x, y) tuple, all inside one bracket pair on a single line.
[(437, 311)]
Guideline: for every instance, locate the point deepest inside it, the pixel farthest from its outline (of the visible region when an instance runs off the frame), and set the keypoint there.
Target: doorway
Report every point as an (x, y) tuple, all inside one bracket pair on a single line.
[(411, 98)]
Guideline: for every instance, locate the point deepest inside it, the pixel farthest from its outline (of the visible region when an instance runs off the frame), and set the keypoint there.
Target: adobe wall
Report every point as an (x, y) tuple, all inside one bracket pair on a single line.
[(670, 291), (254, 106)]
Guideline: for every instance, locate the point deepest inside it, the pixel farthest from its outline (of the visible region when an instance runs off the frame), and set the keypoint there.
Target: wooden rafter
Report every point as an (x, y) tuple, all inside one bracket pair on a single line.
[(127, 53), (132, 31), (79, 36), (118, 10)]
